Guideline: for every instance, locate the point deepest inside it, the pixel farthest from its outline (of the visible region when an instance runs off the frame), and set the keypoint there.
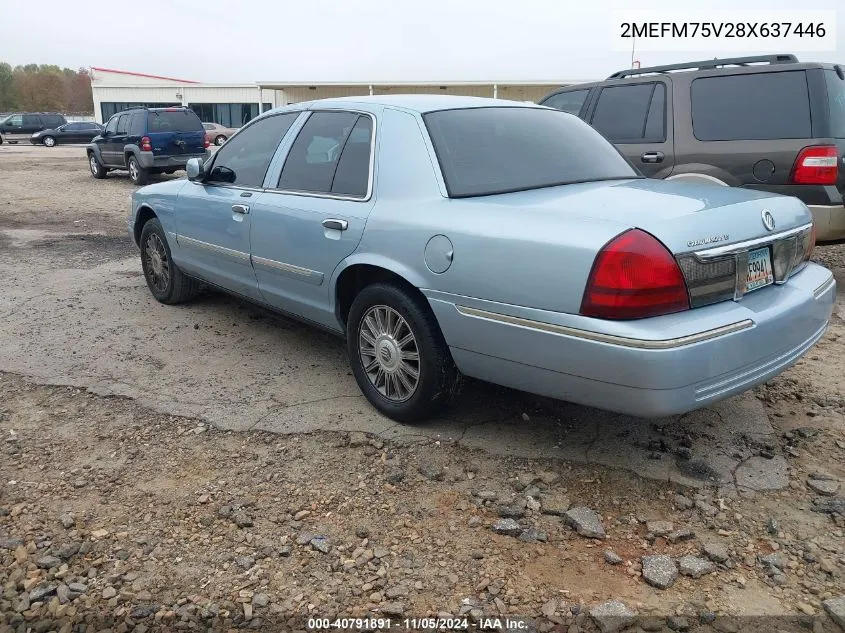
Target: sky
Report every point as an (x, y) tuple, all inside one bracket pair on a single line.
[(223, 41)]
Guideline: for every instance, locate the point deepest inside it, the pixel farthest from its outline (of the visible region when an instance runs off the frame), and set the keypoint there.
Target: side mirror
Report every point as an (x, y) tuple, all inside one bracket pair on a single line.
[(195, 169)]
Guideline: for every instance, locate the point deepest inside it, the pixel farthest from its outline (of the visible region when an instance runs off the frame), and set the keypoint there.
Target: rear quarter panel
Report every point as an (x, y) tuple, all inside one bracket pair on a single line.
[(539, 261)]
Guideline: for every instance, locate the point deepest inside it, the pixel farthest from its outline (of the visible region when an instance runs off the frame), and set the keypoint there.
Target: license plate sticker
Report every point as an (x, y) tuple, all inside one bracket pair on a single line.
[(759, 269)]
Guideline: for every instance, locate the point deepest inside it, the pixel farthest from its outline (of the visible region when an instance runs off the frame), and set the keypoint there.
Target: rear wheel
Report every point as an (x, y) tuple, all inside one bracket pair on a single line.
[(398, 354), (220, 140), (48, 141), (137, 174), (167, 283), (97, 170)]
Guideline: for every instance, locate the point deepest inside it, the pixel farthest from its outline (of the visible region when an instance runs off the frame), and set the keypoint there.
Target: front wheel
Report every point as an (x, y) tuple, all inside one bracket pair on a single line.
[(97, 169), (48, 141), (137, 174), (167, 283), (398, 355)]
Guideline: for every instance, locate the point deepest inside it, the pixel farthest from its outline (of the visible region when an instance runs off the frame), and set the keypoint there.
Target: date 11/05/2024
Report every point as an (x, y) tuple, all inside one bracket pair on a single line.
[(417, 624)]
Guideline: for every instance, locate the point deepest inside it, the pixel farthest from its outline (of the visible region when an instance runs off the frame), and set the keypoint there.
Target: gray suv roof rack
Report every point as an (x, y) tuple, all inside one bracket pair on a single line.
[(708, 64)]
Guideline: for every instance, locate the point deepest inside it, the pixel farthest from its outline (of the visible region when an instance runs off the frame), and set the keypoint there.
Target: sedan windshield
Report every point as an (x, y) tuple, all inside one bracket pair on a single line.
[(486, 151)]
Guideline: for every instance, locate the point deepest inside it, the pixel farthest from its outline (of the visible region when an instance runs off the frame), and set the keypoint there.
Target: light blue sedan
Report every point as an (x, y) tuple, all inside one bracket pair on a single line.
[(453, 236)]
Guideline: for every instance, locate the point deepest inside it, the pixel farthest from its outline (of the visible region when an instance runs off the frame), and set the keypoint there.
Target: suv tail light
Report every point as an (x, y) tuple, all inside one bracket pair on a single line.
[(816, 165), (205, 141), (146, 145), (634, 276)]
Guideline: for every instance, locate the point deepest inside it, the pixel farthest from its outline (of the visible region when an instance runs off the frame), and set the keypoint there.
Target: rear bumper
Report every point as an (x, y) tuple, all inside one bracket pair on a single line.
[(650, 368), (149, 160)]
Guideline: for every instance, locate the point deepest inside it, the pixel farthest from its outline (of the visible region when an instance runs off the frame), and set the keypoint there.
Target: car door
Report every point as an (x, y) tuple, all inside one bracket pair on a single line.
[(32, 123), (314, 215), (106, 143), (214, 216), (13, 128), (633, 117), (117, 141), (68, 133)]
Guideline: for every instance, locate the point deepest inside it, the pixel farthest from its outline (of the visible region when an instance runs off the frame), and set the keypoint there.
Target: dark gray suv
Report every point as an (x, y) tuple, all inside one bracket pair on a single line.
[(767, 122)]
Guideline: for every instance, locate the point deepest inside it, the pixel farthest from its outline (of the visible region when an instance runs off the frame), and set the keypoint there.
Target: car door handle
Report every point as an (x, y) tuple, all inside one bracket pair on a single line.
[(653, 157), (339, 225), (240, 208)]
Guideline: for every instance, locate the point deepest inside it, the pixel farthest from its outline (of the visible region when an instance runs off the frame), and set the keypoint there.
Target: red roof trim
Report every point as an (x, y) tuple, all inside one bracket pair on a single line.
[(127, 72)]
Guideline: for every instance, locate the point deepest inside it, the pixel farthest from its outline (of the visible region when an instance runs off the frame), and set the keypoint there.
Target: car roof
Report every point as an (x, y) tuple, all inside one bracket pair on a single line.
[(419, 103)]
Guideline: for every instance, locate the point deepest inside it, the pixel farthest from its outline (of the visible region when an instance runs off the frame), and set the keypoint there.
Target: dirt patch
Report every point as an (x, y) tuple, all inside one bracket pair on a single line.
[(173, 521), (118, 516)]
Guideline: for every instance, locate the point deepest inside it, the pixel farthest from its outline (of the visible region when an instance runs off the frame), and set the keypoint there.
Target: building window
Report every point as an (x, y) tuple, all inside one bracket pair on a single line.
[(266, 106), (109, 108), (226, 114)]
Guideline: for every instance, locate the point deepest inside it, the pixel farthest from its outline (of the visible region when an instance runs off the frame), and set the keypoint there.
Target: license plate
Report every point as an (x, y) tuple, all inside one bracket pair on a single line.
[(759, 269)]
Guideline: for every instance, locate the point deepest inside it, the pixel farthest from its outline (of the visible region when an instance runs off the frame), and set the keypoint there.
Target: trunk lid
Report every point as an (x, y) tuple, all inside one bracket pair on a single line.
[(727, 241), (685, 217), (175, 131)]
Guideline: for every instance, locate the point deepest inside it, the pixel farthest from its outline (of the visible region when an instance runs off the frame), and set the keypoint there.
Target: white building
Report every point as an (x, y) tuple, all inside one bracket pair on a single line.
[(235, 104)]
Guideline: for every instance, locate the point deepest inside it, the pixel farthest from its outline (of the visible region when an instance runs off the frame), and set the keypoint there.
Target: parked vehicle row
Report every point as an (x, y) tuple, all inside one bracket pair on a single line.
[(450, 236), (767, 123), (48, 129), (20, 127)]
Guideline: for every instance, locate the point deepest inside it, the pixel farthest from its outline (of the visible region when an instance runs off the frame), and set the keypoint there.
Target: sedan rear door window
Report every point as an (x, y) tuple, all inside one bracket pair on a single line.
[(331, 155), (492, 150)]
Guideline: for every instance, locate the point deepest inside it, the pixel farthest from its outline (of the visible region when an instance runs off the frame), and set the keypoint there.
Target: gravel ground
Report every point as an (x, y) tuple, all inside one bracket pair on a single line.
[(114, 517)]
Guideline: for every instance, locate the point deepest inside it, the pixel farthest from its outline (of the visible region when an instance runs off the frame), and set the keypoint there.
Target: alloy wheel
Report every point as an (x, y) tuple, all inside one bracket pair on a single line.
[(157, 264), (389, 353)]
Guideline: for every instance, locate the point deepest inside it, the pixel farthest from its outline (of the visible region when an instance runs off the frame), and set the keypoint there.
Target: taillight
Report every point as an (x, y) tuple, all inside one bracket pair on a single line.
[(634, 276), (146, 145), (816, 165), (206, 142)]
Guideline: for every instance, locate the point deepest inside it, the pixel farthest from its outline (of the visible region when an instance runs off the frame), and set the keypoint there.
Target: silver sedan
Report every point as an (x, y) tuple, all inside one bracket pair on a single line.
[(449, 236)]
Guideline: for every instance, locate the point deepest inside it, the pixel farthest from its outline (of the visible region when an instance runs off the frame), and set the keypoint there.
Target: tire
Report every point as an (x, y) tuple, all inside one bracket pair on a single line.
[(96, 167), (167, 283), (438, 380), (137, 174), (220, 140), (1, 140), (48, 141)]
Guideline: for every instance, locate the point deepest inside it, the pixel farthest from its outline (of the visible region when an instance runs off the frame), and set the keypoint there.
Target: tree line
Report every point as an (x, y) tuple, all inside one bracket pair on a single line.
[(45, 88)]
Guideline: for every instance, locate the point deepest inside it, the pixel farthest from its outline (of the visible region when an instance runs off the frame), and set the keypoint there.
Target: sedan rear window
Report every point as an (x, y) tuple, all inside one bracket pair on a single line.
[(487, 151), (174, 121)]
